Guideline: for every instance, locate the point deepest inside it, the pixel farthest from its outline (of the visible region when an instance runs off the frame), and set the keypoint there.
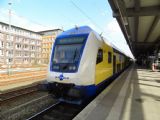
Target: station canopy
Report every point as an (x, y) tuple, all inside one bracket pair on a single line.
[(139, 21)]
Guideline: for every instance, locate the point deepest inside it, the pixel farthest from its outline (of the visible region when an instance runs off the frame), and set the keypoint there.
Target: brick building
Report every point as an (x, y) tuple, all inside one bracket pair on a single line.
[(48, 38)]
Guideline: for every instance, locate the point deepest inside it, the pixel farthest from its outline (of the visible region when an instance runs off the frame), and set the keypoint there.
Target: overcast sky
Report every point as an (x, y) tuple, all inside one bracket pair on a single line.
[(40, 15)]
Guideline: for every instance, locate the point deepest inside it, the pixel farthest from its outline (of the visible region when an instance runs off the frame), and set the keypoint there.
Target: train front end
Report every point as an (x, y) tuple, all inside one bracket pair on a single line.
[(68, 77)]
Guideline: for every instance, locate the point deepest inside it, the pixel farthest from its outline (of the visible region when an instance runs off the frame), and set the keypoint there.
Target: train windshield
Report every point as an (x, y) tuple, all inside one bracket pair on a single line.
[(68, 50), (67, 53)]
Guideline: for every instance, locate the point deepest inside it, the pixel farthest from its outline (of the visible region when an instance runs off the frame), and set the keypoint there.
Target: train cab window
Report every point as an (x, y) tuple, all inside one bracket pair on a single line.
[(99, 56), (109, 57)]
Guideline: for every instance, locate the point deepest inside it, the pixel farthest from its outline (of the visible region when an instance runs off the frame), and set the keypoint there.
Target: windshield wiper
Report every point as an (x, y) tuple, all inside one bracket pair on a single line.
[(75, 54)]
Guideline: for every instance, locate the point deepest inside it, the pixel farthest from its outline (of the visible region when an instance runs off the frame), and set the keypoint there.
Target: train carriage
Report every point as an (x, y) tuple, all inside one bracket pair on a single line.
[(81, 62)]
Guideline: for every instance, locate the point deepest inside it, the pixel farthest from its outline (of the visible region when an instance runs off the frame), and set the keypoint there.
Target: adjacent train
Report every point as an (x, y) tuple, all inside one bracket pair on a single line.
[(81, 63)]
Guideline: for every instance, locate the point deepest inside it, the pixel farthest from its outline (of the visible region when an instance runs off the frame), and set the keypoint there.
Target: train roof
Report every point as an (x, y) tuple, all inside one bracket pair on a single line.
[(113, 46), (88, 30), (77, 30)]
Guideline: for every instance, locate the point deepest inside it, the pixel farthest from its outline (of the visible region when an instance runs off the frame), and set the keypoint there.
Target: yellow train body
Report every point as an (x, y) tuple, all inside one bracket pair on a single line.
[(104, 69)]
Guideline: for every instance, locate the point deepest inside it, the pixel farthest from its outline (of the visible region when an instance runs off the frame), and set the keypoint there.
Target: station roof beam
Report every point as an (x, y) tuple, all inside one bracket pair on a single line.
[(139, 21)]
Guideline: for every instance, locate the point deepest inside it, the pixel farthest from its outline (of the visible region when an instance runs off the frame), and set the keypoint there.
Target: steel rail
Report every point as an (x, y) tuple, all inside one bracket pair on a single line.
[(17, 93), (43, 111)]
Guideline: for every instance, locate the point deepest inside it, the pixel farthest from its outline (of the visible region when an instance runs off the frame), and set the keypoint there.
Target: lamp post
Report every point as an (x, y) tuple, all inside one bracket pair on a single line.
[(9, 37)]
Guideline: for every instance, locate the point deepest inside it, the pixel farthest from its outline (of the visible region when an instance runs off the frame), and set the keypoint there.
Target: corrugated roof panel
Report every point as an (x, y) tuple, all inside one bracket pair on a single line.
[(155, 33), (131, 26), (144, 23), (146, 3), (129, 3), (144, 26)]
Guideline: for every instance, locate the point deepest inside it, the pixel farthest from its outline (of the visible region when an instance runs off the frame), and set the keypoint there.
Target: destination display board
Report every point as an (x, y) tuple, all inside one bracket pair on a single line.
[(72, 40)]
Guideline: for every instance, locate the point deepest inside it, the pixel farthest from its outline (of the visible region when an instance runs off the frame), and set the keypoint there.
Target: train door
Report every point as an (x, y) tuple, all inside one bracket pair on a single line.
[(114, 64)]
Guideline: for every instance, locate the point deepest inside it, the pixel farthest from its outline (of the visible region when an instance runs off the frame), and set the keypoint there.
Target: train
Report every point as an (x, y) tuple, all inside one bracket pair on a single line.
[(81, 62)]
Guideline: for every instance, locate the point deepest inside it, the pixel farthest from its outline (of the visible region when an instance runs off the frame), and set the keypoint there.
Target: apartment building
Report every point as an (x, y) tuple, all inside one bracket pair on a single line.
[(48, 38), (20, 47)]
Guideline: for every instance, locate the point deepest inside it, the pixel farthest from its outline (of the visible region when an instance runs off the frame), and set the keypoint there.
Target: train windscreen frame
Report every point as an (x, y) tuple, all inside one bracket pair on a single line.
[(65, 41)]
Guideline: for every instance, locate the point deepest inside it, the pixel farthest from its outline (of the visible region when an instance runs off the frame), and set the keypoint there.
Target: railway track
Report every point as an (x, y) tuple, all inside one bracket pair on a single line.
[(21, 77), (58, 111), (17, 93)]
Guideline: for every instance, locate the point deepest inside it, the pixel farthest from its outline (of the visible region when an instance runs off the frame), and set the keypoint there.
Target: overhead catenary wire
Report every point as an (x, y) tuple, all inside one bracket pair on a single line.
[(92, 21), (28, 20), (89, 18)]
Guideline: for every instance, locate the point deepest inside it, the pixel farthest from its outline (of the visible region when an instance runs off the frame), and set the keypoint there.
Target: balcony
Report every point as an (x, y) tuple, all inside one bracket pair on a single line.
[(20, 33), (9, 47), (26, 42)]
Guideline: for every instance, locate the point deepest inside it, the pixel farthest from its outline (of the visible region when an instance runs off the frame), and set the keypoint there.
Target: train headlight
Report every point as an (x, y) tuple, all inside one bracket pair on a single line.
[(56, 67), (72, 67)]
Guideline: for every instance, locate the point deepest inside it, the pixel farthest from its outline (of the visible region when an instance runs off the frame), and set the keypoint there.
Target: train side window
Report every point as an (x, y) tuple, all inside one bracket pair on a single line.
[(109, 57), (120, 58), (99, 56)]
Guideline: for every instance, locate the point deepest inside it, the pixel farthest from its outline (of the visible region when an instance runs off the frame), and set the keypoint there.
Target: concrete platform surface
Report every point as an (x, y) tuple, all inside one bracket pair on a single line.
[(134, 95)]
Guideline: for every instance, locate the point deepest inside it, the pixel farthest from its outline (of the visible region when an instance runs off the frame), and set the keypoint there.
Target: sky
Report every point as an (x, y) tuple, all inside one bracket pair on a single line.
[(38, 15)]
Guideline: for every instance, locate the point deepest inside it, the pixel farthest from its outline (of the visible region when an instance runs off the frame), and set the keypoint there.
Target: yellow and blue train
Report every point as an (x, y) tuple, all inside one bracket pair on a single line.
[(81, 62)]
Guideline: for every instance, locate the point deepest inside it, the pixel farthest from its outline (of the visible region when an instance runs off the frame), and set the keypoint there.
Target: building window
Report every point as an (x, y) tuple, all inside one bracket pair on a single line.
[(120, 58), (1, 52), (109, 57), (1, 36), (1, 44), (32, 48), (10, 60), (18, 46)]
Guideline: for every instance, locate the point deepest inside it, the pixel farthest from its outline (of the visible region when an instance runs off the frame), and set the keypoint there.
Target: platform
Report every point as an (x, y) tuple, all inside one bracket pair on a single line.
[(134, 95)]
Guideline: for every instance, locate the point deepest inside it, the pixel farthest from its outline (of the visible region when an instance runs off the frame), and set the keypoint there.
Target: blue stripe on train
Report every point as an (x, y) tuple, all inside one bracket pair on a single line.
[(88, 91), (92, 90)]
